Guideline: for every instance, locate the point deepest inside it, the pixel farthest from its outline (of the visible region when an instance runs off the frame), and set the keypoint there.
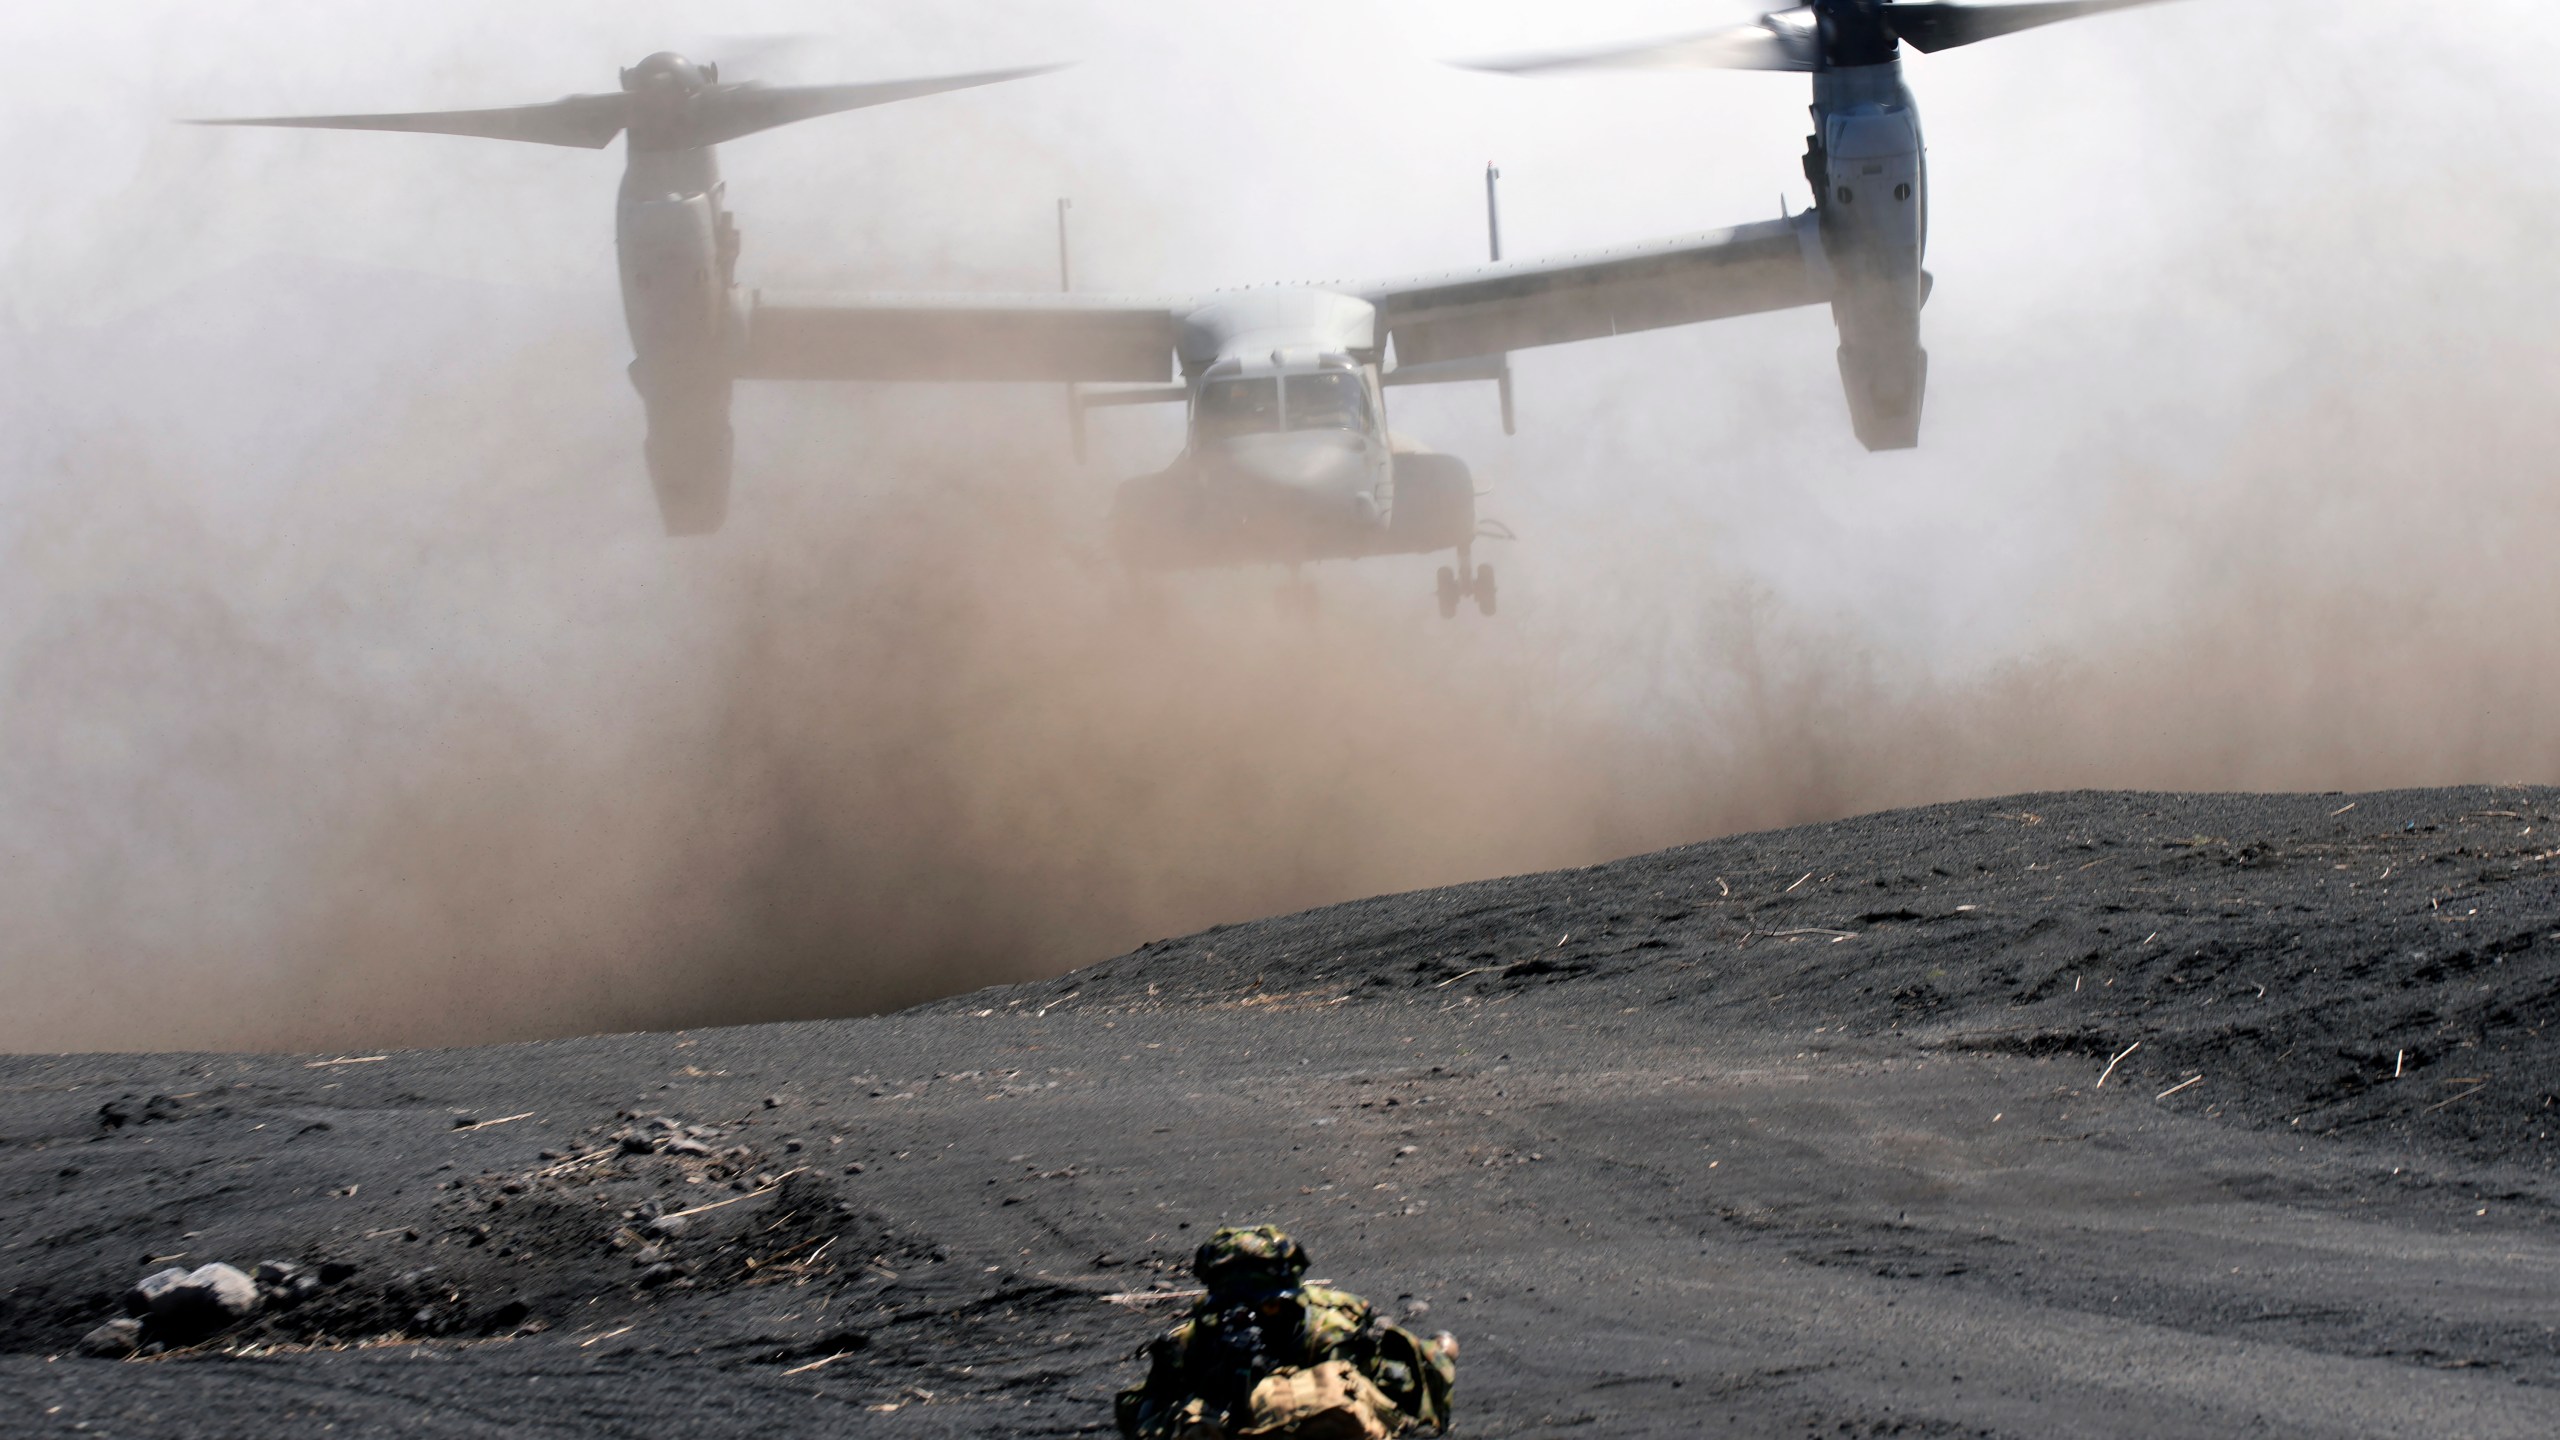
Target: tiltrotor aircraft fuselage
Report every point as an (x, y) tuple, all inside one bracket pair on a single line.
[(1289, 458)]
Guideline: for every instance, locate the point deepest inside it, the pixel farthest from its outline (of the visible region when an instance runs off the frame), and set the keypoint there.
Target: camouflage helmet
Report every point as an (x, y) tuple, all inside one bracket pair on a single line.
[(1255, 1259)]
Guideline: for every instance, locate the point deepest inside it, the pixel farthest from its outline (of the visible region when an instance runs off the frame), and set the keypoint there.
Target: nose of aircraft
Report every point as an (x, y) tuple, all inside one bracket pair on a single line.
[(1312, 464)]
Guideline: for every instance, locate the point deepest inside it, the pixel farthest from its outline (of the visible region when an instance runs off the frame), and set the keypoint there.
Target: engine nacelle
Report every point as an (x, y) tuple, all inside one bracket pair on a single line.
[(690, 447), (674, 273), (1869, 169), (677, 254)]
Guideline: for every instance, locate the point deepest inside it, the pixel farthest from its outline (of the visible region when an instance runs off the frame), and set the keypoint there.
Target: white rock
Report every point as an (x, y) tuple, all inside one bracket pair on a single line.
[(209, 1298), (147, 1291), (114, 1340)]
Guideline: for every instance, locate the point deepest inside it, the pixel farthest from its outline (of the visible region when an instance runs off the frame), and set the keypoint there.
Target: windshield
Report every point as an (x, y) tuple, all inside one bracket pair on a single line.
[(1328, 400), (1238, 407)]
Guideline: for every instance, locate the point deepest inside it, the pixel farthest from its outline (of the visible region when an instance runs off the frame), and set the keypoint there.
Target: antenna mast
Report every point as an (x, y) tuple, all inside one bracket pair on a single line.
[(1066, 272), (1066, 283), (1493, 243)]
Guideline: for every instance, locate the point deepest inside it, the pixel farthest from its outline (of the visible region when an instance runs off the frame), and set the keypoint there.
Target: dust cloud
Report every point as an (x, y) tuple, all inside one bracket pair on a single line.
[(870, 746), (349, 698)]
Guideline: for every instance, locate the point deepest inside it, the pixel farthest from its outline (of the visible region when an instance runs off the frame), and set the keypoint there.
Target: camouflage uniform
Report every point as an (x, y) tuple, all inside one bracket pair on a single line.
[(1259, 1321)]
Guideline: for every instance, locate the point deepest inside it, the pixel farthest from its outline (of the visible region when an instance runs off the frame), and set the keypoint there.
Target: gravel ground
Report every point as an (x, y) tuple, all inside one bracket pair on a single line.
[(1794, 1133)]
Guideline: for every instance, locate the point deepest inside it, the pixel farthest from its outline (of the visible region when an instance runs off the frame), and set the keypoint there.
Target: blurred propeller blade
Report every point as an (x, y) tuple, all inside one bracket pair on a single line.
[(1929, 25), (587, 122), (1783, 41), (768, 58), (734, 110)]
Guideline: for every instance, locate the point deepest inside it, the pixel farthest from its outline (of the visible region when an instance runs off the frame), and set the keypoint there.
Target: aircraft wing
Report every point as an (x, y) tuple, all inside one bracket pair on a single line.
[(1491, 309), (958, 338)]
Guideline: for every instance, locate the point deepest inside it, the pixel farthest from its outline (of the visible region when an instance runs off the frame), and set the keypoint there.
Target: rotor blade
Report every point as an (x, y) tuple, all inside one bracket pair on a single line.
[(1940, 25), (588, 122), (765, 58), (1783, 41), (734, 110)]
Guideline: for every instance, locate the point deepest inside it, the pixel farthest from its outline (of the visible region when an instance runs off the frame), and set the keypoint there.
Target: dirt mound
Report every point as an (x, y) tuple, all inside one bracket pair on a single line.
[(648, 1209), (591, 1238), (2385, 963)]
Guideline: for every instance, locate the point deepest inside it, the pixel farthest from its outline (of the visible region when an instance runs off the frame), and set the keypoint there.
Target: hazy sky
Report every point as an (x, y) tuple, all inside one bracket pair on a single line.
[(337, 640)]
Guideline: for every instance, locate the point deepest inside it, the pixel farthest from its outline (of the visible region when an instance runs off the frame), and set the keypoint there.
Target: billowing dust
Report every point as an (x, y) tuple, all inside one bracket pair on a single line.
[(903, 730)]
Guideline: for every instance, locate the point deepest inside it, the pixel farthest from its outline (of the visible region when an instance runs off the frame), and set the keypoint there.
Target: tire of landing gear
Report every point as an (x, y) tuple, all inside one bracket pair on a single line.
[(1448, 593), (1484, 591)]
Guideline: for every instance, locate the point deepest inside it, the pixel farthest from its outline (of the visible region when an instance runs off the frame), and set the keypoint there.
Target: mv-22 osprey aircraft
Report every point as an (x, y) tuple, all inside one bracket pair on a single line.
[(1289, 458)]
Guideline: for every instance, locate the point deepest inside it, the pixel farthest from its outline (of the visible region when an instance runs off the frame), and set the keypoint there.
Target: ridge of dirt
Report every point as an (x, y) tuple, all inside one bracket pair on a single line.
[(2324, 957)]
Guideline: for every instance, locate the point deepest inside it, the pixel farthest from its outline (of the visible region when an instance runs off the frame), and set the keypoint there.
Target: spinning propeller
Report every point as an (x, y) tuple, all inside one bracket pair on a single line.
[(667, 102), (675, 242), (1824, 35)]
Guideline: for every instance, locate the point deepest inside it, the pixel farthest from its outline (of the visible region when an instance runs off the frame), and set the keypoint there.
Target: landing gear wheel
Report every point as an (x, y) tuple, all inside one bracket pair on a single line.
[(1448, 593), (1484, 592)]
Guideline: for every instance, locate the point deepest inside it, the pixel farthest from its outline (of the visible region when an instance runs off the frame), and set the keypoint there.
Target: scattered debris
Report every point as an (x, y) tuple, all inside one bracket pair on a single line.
[(2460, 1095), (2112, 1064), (127, 1110)]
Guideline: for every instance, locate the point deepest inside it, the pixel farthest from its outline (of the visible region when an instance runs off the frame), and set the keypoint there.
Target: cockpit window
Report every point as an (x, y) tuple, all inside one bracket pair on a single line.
[(1238, 407), (1328, 400)]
